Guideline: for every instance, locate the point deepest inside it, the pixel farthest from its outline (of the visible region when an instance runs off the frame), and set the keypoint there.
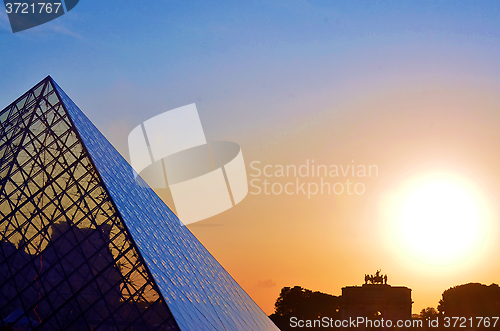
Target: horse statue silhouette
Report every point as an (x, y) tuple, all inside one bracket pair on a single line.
[(377, 279)]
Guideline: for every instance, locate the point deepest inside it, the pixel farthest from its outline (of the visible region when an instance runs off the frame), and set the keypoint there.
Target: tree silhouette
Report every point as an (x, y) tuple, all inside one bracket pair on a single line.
[(471, 300), (425, 315), (428, 313), (303, 304)]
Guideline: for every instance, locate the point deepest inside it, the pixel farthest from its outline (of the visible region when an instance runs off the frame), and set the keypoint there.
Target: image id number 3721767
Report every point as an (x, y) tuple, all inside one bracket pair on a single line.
[(463, 322), (32, 8)]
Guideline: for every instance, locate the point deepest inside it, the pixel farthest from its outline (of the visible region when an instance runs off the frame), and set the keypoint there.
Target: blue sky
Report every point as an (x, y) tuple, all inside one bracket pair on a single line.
[(200, 50), (407, 85)]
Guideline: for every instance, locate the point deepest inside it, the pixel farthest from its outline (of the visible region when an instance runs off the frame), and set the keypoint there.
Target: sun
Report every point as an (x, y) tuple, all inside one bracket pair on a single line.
[(439, 219)]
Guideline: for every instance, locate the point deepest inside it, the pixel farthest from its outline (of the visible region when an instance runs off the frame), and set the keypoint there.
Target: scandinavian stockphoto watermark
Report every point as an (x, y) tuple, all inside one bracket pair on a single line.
[(310, 178), (357, 322), (207, 178), (465, 323), (204, 178), (26, 14)]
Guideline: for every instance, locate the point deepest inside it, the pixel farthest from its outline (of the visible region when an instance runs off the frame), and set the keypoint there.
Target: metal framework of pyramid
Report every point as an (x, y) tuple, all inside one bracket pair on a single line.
[(84, 247)]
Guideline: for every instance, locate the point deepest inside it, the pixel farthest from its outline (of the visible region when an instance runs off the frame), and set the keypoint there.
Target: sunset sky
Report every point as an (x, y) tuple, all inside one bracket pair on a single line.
[(410, 87)]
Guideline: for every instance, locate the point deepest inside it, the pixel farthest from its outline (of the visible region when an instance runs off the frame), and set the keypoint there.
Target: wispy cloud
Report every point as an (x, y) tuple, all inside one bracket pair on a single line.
[(61, 29), (266, 283)]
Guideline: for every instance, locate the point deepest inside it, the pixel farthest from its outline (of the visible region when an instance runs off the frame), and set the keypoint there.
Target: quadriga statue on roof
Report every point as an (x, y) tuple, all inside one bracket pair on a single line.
[(377, 279)]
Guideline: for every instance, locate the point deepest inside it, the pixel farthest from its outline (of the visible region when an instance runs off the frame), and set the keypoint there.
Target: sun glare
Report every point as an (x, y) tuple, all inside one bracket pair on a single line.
[(439, 220)]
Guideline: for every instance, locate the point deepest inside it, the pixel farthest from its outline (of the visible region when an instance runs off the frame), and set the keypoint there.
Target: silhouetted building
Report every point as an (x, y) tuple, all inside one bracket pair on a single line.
[(84, 247), (375, 300)]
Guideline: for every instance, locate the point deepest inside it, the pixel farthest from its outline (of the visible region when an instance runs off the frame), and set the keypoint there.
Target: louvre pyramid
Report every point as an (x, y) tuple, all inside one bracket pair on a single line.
[(83, 247)]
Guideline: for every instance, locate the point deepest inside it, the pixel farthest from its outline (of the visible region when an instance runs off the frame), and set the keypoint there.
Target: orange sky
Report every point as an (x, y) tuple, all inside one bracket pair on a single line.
[(329, 241)]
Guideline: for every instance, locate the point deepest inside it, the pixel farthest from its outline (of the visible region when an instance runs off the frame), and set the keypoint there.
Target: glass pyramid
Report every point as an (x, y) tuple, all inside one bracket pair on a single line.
[(84, 247)]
